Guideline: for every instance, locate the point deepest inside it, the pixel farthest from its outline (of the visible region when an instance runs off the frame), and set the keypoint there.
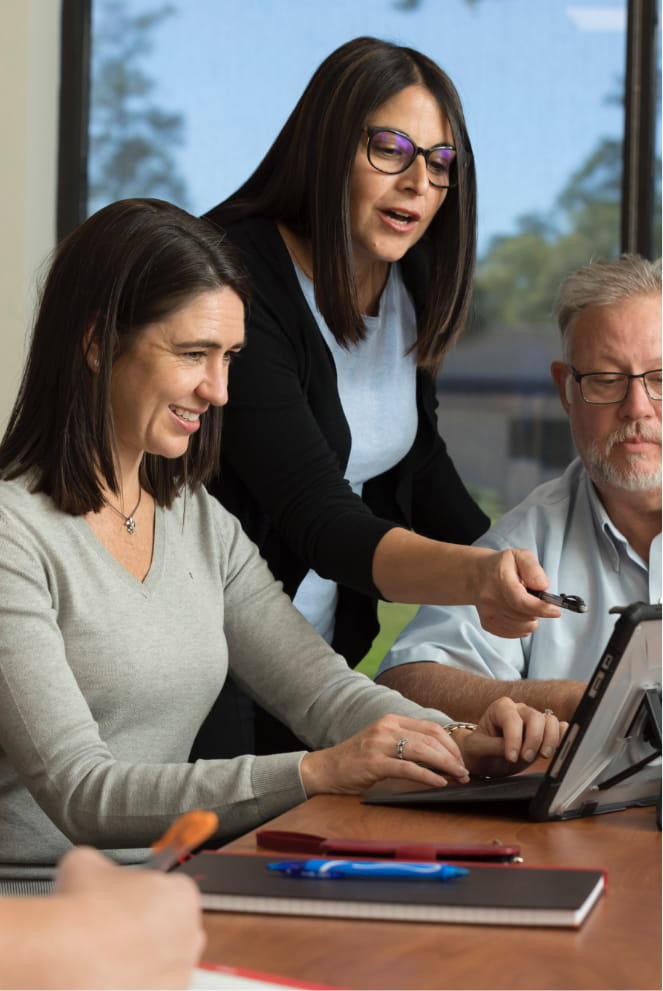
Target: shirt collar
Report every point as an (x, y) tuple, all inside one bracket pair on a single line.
[(615, 541)]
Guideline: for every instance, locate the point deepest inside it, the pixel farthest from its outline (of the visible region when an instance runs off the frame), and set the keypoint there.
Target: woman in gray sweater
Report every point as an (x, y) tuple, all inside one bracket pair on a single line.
[(127, 593)]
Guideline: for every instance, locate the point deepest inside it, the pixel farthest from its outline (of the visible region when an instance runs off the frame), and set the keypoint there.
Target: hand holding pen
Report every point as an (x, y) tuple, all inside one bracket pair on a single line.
[(501, 592), (130, 927), (142, 928)]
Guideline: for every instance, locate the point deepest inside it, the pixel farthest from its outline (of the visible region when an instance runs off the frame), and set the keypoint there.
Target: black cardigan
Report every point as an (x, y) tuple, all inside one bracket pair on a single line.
[(286, 444)]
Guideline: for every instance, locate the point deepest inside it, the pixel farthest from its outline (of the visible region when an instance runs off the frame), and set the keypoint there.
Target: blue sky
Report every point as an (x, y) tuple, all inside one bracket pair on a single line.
[(535, 78)]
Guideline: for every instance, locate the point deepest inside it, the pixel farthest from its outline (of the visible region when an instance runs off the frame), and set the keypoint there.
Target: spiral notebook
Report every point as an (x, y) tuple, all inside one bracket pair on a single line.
[(608, 759)]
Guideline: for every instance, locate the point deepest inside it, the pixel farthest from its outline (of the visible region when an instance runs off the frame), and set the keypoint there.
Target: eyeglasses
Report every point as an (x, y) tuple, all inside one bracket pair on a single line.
[(392, 151), (603, 388)]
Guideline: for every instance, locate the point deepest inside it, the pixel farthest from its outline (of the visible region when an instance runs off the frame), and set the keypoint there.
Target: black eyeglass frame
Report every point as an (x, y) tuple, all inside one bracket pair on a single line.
[(579, 376), (426, 152)]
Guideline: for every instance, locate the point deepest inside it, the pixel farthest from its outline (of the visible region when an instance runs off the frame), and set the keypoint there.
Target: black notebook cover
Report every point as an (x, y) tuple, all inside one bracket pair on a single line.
[(512, 895)]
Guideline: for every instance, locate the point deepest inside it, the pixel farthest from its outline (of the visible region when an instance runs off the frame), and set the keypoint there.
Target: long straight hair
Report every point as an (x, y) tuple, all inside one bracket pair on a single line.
[(304, 182), (132, 263)]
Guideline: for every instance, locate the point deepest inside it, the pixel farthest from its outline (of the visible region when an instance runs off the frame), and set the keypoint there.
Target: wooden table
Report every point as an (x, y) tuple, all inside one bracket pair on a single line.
[(619, 945)]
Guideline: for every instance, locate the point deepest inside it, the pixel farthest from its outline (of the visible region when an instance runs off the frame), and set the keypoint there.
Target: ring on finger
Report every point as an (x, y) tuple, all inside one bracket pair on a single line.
[(548, 712), (400, 747)]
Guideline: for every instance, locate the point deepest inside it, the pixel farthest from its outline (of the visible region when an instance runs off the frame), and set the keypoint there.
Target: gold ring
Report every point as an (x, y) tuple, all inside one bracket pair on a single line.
[(400, 747)]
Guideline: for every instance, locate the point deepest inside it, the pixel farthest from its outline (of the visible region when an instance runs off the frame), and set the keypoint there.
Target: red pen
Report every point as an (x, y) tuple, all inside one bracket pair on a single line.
[(293, 842)]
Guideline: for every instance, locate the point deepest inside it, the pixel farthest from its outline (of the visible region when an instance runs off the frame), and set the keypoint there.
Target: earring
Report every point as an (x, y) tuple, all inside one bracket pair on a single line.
[(96, 362)]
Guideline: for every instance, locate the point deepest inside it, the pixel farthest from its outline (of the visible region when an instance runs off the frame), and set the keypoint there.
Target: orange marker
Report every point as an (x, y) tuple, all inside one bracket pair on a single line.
[(186, 833)]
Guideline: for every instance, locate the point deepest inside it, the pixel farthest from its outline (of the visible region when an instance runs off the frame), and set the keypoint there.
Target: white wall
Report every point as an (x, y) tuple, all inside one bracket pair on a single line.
[(29, 85)]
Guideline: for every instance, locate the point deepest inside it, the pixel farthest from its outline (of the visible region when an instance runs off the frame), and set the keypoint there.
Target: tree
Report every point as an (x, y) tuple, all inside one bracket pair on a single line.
[(131, 140), (518, 276)]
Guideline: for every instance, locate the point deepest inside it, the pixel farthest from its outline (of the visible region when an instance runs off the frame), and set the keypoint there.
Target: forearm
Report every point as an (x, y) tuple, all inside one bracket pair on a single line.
[(466, 696), (410, 568)]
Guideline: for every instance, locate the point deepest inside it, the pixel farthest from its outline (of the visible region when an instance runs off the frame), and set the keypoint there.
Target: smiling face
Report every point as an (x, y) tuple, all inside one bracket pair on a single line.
[(390, 213), (173, 371), (619, 443)]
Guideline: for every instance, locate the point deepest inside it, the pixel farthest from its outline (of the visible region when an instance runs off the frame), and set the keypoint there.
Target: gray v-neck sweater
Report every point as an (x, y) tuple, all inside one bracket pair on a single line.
[(104, 681)]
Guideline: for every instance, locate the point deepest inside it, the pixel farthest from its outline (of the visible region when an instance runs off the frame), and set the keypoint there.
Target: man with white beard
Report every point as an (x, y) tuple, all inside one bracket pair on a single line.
[(596, 530)]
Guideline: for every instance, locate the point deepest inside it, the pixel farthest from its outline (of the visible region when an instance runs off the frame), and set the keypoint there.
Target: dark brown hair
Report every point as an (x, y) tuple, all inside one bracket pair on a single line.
[(130, 264), (304, 182)]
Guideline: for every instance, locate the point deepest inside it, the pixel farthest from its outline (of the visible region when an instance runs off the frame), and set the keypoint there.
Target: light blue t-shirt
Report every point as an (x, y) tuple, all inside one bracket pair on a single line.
[(376, 382), (565, 525)]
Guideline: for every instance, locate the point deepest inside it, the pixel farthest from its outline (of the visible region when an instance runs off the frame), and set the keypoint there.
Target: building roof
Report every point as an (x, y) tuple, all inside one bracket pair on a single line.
[(502, 359)]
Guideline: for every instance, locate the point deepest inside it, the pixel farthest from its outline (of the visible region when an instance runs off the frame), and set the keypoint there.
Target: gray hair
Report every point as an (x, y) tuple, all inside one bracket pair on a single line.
[(605, 282)]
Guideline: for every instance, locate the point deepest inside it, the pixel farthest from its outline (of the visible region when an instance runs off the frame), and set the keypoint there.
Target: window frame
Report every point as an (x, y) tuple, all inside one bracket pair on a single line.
[(639, 147)]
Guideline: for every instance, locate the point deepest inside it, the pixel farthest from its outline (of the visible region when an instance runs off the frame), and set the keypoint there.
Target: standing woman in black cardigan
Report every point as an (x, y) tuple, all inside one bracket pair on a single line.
[(359, 232)]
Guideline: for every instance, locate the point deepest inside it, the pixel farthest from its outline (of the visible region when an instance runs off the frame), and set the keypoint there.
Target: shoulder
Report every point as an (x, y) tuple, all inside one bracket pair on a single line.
[(542, 514), (202, 518), (211, 533), (19, 502), (36, 537), (258, 242), (274, 290)]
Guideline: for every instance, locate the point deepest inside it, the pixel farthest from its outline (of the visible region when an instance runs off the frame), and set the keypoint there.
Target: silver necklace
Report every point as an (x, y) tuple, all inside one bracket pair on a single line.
[(129, 520)]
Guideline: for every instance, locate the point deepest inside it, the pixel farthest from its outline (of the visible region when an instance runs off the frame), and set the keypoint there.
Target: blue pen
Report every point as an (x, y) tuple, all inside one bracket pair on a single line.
[(334, 869)]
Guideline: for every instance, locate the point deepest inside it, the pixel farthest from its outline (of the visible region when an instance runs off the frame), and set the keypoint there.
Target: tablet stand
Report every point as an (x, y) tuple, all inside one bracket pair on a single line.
[(647, 724)]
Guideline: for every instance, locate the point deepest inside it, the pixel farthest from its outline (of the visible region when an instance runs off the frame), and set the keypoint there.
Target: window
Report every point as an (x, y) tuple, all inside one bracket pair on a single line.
[(185, 98)]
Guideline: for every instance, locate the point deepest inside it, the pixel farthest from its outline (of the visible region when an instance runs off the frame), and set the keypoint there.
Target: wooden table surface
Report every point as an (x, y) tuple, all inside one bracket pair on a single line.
[(618, 947)]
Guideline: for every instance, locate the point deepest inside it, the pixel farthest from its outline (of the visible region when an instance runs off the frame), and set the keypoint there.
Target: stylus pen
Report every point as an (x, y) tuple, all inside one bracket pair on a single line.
[(333, 869), (572, 602)]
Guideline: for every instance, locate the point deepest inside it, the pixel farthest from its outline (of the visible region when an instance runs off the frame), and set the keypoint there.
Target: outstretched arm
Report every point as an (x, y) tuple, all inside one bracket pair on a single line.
[(466, 696), (411, 568)]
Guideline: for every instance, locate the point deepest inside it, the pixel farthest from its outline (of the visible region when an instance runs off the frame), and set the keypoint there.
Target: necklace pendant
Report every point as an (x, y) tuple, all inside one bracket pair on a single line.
[(129, 521)]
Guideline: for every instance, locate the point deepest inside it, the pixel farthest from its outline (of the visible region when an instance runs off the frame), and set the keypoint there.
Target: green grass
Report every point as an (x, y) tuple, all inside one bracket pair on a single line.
[(393, 617)]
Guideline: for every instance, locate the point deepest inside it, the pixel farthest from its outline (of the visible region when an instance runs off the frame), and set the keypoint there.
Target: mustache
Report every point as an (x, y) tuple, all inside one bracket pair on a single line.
[(631, 431)]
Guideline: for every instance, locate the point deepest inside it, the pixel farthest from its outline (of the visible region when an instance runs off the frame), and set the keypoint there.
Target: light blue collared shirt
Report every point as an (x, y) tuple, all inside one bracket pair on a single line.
[(564, 523)]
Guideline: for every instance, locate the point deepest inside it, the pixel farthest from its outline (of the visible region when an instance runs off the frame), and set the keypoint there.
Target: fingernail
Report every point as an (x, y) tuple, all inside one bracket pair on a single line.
[(529, 755), (547, 751), (513, 755)]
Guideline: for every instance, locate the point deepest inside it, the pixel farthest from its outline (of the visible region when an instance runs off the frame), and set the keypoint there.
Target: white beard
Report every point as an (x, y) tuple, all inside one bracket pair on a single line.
[(632, 478)]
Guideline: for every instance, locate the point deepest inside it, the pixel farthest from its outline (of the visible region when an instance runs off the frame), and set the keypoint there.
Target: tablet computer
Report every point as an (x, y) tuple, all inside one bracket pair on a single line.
[(608, 759)]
